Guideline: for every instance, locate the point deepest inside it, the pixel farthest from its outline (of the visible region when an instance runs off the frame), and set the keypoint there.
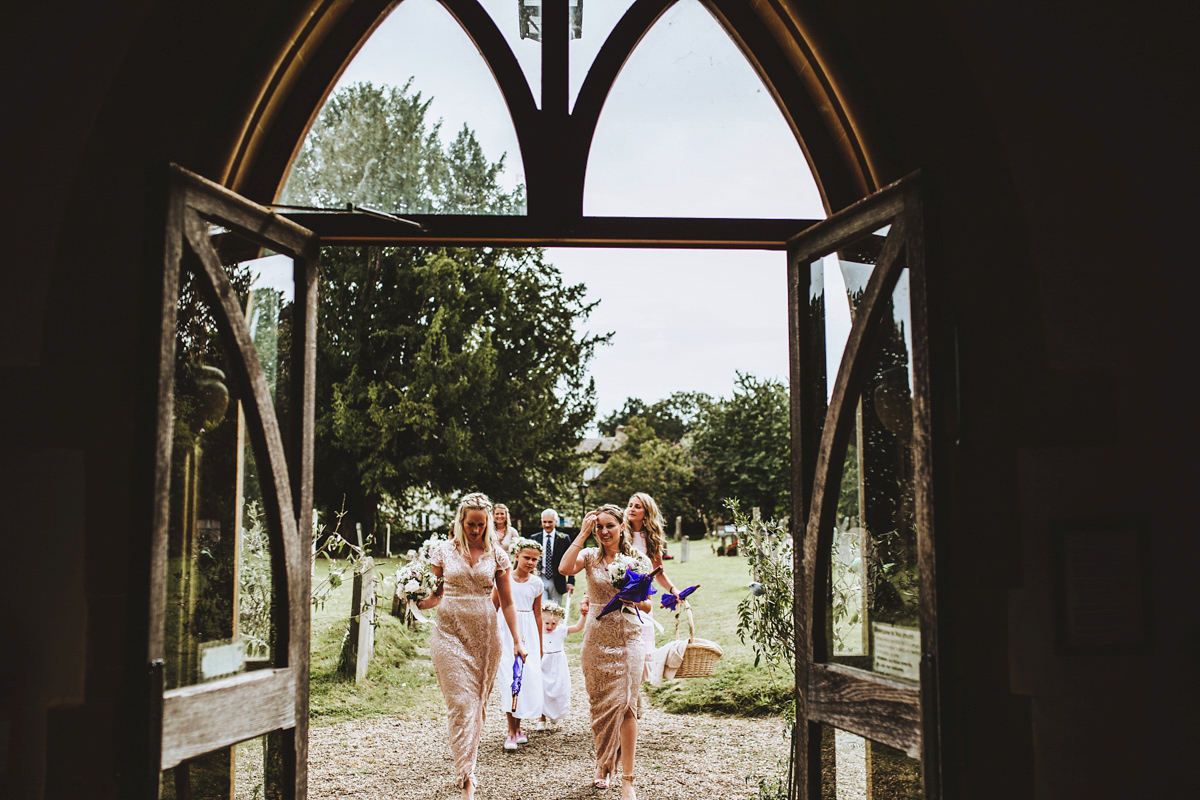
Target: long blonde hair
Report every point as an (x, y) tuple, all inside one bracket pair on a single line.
[(652, 527), (613, 510), (507, 516), (475, 501)]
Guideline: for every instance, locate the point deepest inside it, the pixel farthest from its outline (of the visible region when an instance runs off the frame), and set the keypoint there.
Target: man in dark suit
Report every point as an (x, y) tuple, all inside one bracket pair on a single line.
[(554, 547)]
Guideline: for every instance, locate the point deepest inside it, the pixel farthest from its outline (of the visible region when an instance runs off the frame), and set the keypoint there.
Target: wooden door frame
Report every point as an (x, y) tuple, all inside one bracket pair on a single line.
[(890, 711), (191, 720)]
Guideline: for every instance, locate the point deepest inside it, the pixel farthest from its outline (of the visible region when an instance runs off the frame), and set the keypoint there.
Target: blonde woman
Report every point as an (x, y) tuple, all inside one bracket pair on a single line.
[(505, 532), (465, 643), (613, 655), (644, 522)]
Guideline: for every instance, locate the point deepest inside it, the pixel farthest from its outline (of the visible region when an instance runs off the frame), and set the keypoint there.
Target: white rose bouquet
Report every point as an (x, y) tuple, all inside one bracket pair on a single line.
[(416, 580), (632, 576), (622, 564)]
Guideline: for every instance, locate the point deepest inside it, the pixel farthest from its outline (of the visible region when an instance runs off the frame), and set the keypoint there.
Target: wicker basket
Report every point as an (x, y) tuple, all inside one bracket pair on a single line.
[(700, 657)]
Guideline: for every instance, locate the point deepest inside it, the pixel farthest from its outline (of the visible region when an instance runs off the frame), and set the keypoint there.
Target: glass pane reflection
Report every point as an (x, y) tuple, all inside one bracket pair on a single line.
[(874, 578), (250, 770), (220, 611), (854, 768), (872, 617)]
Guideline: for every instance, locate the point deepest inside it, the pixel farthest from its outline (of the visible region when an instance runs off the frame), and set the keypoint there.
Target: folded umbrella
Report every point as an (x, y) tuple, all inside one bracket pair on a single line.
[(670, 601), (518, 671), (637, 588)]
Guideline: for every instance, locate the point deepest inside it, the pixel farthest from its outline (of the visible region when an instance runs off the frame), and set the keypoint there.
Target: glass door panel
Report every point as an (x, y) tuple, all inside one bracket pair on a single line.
[(862, 450), (874, 580), (854, 768), (229, 581)]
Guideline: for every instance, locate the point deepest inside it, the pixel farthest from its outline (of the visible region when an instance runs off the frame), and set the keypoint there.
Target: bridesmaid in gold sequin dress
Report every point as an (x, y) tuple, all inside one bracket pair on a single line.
[(465, 643), (613, 651)]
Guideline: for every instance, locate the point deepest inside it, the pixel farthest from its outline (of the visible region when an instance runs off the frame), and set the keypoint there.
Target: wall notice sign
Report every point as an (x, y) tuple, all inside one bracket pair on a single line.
[(222, 658), (897, 651)]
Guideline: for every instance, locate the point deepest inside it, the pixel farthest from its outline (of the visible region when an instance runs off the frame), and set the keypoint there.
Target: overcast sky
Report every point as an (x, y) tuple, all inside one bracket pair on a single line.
[(689, 130)]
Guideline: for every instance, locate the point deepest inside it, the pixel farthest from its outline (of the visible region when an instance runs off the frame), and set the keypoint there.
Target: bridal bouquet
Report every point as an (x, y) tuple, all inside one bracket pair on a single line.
[(416, 580), (632, 576), (622, 565), (425, 552)]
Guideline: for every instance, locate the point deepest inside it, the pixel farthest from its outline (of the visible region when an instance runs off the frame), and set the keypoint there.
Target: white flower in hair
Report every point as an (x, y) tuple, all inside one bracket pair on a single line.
[(521, 543)]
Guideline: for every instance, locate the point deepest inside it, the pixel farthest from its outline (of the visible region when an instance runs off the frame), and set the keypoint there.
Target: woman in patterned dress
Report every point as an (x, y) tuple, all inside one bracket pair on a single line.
[(465, 643), (613, 651)]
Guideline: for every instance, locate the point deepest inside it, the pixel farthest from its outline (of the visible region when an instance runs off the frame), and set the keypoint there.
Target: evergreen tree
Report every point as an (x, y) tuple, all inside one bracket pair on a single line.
[(438, 368)]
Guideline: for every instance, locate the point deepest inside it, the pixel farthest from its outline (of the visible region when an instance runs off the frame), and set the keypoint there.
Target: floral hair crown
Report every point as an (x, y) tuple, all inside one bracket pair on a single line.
[(521, 543), (554, 610)]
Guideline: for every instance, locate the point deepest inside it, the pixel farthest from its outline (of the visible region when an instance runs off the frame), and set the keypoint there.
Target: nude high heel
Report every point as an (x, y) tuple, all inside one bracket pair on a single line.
[(632, 794)]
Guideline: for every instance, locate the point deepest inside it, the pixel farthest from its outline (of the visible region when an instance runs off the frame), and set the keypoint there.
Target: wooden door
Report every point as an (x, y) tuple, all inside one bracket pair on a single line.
[(866, 624), (228, 644)]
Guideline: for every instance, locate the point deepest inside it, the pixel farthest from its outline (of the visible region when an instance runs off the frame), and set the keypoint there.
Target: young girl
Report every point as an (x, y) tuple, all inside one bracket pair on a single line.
[(556, 675), (527, 600)]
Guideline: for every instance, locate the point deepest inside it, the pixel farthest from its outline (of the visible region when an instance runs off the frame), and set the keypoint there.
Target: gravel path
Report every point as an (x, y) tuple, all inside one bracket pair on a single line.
[(679, 757)]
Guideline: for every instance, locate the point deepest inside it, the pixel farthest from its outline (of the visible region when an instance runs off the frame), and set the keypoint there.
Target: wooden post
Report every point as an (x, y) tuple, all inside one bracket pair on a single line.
[(756, 529), (388, 548), (360, 641), (683, 554), (358, 533), (679, 529)]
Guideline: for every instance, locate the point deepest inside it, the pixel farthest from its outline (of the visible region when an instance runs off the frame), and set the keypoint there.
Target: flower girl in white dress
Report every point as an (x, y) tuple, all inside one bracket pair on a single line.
[(527, 590), (556, 674)]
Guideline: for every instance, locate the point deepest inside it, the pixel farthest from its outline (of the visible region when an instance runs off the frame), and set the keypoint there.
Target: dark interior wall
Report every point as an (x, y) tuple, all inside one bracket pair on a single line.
[(1059, 141)]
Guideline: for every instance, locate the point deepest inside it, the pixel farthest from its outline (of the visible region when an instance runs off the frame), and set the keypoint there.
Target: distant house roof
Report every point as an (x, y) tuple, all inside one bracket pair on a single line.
[(602, 446)]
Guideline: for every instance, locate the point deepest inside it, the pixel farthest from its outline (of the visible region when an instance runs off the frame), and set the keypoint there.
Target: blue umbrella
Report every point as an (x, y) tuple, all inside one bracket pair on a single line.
[(518, 671), (637, 588), (670, 601)]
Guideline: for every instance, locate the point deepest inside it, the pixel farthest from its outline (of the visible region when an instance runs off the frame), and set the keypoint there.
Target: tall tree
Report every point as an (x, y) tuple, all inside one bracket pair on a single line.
[(744, 445), (647, 463), (372, 145), (439, 368)]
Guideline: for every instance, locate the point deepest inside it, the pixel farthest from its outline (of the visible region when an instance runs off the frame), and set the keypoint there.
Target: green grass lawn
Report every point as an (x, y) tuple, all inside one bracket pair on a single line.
[(738, 687), (401, 677)]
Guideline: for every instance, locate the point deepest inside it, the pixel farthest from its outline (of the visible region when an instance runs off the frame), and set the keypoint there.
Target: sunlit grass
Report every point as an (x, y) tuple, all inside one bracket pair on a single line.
[(400, 678), (737, 686)]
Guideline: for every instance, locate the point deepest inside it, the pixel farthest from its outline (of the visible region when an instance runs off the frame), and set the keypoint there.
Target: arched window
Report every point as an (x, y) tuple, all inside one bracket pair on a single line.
[(858, 339)]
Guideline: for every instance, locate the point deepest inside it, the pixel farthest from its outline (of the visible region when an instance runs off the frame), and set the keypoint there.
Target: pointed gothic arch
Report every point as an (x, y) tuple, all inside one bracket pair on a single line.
[(554, 141)]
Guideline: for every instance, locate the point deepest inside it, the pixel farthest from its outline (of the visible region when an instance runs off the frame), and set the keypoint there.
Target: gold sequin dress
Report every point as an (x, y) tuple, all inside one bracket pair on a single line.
[(465, 646), (612, 660)]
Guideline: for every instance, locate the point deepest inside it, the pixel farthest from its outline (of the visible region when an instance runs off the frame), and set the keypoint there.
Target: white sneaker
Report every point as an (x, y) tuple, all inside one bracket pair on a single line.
[(540, 725), (521, 738), (510, 743)]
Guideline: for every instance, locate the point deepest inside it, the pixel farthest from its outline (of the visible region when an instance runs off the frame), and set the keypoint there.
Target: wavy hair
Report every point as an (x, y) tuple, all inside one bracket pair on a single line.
[(475, 501), (613, 510), (508, 521), (652, 527)]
